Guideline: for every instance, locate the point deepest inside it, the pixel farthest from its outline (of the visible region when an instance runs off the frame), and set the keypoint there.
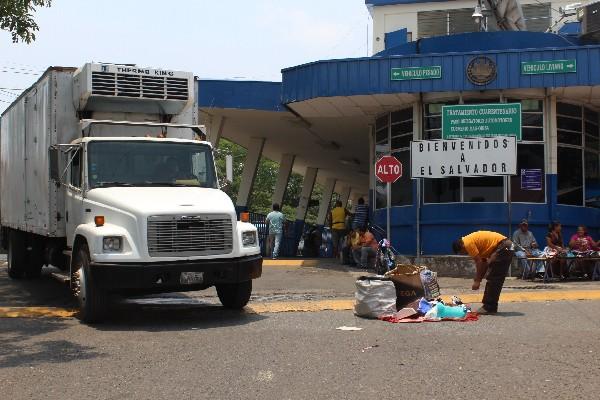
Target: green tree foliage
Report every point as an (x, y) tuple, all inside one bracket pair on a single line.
[(16, 16), (264, 183)]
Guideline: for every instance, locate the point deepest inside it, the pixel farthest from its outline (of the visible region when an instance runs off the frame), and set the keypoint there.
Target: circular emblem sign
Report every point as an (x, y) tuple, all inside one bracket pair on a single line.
[(388, 169), (481, 70)]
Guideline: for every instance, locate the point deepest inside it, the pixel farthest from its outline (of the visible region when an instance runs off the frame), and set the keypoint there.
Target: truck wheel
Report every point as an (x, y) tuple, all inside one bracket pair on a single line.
[(92, 300), (234, 295), (16, 256)]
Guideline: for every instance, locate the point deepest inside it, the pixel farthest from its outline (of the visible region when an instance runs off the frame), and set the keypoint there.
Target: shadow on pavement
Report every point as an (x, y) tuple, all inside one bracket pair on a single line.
[(44, 291), (159, 318), (509, 314), (19, 347)]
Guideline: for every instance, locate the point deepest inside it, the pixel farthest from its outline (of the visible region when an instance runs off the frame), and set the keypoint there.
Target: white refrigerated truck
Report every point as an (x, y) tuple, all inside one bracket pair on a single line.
[(104, 174)]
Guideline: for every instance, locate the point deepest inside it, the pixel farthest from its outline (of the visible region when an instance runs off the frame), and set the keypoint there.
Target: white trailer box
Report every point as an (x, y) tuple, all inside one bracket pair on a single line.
[(42, 116)]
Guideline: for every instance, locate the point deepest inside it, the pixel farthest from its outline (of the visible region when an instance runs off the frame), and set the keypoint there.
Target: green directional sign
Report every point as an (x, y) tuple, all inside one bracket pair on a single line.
[(548, 67), (481, 120), (404, 74)]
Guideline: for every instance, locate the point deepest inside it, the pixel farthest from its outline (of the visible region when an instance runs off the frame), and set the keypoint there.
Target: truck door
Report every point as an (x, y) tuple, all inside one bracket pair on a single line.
[(74, 197)]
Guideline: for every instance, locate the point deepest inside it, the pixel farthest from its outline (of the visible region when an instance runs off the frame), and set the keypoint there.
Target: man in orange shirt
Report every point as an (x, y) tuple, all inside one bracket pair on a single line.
[(366, 248), (492, 253)]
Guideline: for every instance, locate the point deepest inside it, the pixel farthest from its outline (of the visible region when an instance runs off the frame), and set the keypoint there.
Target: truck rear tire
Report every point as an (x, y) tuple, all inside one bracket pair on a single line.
[(234, 295), (16, 256), (93, 301)]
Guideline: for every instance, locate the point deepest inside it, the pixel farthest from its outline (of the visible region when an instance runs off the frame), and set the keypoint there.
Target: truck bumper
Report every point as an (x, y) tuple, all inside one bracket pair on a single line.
[(165, 276)]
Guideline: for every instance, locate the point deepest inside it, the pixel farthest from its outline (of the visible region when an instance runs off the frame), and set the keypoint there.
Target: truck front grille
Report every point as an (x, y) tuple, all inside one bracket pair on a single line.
[(139, 86), (189, 235)]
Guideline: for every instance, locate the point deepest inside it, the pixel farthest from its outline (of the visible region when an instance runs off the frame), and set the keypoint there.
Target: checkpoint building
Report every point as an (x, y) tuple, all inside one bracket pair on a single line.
[(330, 120)]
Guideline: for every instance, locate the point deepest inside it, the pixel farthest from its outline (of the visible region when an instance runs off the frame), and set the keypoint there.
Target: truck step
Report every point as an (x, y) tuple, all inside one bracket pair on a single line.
[(62, 277)]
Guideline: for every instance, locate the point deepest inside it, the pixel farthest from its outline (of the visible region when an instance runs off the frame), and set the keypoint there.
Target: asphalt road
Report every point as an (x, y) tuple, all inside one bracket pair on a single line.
[(531, 350), (185, 346)]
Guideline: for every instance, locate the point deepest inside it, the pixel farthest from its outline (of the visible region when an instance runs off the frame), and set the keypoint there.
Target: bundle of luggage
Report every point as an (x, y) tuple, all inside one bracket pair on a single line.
[(408, 293)]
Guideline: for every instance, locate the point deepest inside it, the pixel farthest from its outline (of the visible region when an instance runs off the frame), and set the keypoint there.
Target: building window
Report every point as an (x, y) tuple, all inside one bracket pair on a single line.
[(538, 18), (443, 190), (401, 133), (530, 155), (578, 155), (484, 189), (393, 134)]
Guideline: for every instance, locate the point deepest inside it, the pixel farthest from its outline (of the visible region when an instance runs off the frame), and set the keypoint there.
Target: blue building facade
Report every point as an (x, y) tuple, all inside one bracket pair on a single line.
[(560, 134)]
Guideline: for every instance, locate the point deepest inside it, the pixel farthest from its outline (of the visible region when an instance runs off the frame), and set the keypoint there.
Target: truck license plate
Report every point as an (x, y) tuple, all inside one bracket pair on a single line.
[(191, 278)]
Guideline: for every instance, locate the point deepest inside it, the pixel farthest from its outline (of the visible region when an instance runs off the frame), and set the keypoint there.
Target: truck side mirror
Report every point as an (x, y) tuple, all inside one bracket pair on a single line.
[(53, 157)]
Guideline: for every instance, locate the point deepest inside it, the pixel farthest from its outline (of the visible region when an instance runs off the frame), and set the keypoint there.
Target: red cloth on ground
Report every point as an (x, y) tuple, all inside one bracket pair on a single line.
[(470, 317)]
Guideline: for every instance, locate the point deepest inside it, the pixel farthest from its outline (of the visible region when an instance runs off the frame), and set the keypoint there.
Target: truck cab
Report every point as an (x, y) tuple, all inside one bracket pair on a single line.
[(146, 215)]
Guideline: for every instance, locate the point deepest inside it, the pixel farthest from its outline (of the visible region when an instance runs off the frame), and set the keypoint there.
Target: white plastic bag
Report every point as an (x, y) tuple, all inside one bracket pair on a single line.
[(375, 297)]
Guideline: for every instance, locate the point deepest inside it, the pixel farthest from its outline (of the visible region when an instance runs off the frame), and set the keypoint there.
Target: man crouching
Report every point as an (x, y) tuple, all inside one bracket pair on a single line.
[(492, 253)]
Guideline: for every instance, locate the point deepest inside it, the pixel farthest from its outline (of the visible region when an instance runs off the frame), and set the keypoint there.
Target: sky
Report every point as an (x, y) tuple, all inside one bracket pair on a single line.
[(220, 39)]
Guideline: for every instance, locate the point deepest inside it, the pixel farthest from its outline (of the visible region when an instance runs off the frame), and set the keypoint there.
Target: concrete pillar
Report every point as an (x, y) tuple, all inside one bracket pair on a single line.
[(551, 157), (285, 170), (214, 129), (307, 187), (345, 196), (326, 201), (255, 149)]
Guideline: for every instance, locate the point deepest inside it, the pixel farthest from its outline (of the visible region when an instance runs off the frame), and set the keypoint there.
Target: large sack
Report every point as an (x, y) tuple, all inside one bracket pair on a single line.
[(375, 297)]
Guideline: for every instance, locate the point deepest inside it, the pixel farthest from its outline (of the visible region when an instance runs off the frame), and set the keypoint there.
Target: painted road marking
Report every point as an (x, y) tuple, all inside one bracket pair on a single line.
[(291, 263), (325, 305)]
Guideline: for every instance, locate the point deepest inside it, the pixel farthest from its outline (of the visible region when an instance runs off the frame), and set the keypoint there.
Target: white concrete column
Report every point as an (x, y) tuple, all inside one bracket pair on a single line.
[(307, 187), (214, 129), (285, 170), (326, 201), (255, 149), (372, 161), (551, 136), (345, 196)]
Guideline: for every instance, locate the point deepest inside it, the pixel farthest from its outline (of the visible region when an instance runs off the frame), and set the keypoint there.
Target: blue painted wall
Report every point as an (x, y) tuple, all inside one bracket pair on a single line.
[(249, 95), (443, 223)]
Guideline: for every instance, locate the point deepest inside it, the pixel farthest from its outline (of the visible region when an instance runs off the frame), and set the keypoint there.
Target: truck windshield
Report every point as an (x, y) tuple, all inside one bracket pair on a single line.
[(151, 163)]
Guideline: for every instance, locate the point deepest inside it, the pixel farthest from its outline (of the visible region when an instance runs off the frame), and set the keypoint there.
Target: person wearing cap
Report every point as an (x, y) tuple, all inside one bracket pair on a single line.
[(527, 247), (492, 253)]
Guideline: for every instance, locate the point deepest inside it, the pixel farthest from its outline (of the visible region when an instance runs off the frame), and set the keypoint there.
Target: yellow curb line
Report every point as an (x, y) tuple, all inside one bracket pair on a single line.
[(328, 305), (290, 263), (36, 312)]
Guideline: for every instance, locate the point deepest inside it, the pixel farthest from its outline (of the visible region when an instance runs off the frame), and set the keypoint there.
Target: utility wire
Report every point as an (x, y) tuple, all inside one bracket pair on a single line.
[(14, 89), (20, 72), (21, 69)]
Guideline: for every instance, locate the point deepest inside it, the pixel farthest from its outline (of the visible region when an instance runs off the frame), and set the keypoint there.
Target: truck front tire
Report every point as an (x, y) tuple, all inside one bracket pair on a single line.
[(93, 301), (234, 296), (16, 256)]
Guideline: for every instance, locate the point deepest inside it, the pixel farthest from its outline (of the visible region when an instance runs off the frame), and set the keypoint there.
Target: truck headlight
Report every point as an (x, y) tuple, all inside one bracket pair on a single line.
[(112, 243), (249, 238)]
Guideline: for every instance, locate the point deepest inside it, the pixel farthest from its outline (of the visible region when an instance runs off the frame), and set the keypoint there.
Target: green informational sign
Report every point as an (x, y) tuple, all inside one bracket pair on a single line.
[(404, 74), (481, 120), (548, 67)]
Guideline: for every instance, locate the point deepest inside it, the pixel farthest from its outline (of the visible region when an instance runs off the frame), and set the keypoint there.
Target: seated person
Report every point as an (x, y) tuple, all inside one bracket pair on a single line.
[(582, 244), (365, 248), (527, 247), (554, 241)]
